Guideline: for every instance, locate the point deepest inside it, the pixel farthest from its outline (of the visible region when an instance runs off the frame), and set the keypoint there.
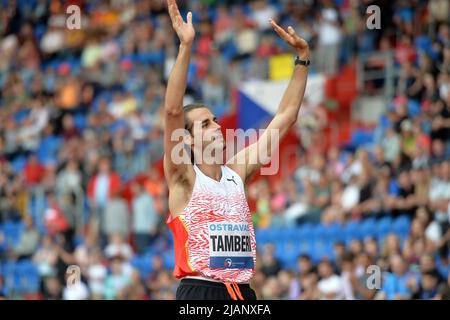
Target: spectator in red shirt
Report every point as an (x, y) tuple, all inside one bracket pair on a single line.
[(405, 50), (33, 171), (55, 221), (102, 185)]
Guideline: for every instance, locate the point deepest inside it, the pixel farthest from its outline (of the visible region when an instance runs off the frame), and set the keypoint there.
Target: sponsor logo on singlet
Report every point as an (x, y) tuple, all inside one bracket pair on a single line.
[(230, 245)]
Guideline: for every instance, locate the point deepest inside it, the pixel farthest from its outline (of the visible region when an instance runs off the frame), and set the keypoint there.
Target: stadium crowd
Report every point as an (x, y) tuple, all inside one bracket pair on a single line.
[(80, 137)]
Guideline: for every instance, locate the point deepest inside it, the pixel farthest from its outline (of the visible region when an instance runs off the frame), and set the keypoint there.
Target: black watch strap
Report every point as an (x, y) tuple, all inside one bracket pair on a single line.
[(298, 61)]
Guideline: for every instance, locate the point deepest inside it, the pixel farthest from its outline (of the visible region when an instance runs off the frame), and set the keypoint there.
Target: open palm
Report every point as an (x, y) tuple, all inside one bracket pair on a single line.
[(292, 38), (184, 30)]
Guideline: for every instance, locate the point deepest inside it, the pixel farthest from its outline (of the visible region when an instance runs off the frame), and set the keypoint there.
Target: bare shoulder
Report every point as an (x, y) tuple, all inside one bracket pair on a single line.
[(181, 185)]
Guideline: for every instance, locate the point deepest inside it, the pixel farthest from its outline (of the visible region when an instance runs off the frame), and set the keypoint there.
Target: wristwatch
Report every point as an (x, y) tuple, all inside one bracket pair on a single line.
[(302, 62)]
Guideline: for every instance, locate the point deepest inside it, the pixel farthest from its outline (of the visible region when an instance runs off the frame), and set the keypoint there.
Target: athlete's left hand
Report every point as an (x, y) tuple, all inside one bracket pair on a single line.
[(292, 38)]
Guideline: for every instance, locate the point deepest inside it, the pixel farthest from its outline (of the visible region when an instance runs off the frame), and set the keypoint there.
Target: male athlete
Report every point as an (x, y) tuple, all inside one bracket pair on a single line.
[(214, 239)]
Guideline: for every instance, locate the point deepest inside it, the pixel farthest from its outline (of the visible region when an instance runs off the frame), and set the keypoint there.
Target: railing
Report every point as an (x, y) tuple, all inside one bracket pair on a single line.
[(384, 69)]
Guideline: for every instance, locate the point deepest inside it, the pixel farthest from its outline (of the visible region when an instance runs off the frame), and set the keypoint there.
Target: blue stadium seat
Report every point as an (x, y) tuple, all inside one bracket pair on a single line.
[(305, 246), (21, 115), (135, 261), (367, 227), (26, 277), (17, 283), (307, 231), (151, 57), (144, 265), (104, 96), (383, 122), (8, 268), (393, 187), (10, 233), (287, 251), (333, 232), (80, 121), (288, 234), (351, 231), (413, 108), (138, 263), (8, 276), (169, 259), (32, 284), (383, 227), (26, 267), (274, 234), (18, 164), (48, 148), (401, 226), (319, 232), (262, 236), (361, 138), (322, 249)]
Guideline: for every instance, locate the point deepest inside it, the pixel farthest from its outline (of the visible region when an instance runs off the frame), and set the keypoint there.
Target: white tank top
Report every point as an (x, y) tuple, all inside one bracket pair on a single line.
[(220, 235)]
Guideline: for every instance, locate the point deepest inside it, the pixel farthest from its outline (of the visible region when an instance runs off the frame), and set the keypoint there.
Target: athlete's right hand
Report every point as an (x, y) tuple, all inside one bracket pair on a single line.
[(184, 30)]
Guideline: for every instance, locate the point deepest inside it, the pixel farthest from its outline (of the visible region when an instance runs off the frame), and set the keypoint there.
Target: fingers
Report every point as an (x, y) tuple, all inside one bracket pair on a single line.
[(172, 3), (277, 29), (281, 32), (296, 37), (189, 17), (291, 31), (173, 11)]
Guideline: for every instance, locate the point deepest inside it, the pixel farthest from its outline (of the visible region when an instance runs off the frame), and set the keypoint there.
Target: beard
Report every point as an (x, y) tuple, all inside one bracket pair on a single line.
[(213, 151)]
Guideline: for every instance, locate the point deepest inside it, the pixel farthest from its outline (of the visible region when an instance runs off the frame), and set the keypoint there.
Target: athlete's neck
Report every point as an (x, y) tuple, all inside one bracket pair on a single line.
[(214, 171)]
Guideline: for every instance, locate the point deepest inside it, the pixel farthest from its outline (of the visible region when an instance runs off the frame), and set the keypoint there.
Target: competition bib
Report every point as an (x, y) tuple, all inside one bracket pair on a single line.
[(230, 245)]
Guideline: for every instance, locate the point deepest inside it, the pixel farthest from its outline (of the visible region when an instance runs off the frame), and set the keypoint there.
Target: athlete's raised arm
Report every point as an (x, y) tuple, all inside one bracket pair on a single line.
[(176, 87), (250, 159)]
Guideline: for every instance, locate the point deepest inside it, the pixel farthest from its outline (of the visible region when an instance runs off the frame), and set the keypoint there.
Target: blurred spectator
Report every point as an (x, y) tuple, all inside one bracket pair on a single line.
[(55, 221), (102, 185), (69, 131), (84, 252), (145, 218), (28, 242), (329, 285), (270, 264), (69, 179), (96, 274), (53, 289), (117, 247), (33, 171), (136, 290), (117, 282), (262, 11), (46, 258), (329, 35), (77, 291), (116, 217), (397, 284), (428, 288)]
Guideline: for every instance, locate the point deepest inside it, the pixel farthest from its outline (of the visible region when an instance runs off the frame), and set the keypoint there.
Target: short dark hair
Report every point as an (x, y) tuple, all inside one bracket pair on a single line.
[(348, 257), (304, 256), (186, 109), (188, 123), (432, 273)]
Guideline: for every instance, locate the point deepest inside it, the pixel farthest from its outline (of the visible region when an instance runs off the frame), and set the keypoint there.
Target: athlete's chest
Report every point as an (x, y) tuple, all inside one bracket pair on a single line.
[(226, 197)]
